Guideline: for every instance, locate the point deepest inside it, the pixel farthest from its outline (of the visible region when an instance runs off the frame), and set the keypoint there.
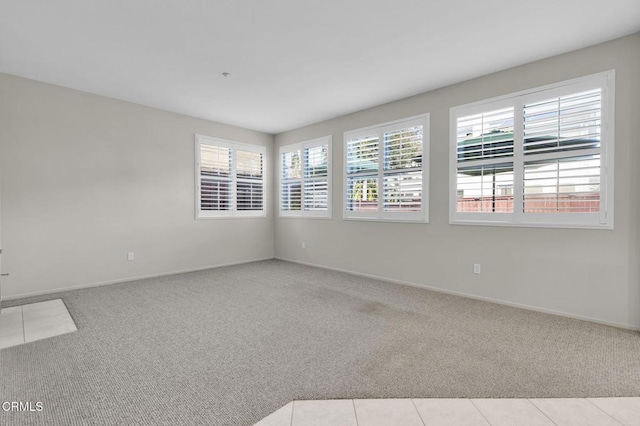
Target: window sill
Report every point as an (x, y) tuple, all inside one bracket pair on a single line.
[(550, 225), (280, 216), (385, 220), (261, 216)]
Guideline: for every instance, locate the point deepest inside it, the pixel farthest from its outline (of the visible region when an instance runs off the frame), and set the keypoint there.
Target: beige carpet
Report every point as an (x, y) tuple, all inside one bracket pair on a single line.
[(231, 345)]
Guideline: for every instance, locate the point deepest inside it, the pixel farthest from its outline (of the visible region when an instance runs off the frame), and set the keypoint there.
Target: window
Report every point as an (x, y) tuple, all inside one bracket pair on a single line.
[(229, 178), (387, 171), (305, 179), (543, 157)]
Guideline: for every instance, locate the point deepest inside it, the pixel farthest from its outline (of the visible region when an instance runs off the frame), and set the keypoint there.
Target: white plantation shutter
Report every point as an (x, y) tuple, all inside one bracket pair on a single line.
[(402, 192), (484, 155), (402, 188), (305, 170), (316, 184), (363, 154), (562, 124), (249, 182), (565, 185), (485, 188), (230, 178), (562, 153), (215, 178), (362, 172), (488, 135), (543, 157), (386, 171), (290, 180)]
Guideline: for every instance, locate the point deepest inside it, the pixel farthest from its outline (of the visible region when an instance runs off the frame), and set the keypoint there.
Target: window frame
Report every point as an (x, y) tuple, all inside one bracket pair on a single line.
[(603, 219), (233, 146), (301, 146), (380, 215)]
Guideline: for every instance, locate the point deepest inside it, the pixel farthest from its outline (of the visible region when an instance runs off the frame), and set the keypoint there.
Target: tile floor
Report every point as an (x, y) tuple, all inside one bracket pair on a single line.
[(457, 412), (27, 323)]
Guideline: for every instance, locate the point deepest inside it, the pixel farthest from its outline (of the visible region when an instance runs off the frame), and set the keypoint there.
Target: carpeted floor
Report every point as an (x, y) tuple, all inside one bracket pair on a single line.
[(228, 346)]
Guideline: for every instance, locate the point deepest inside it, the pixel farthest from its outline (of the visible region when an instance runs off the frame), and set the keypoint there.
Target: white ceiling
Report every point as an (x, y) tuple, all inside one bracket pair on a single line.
[(293, 62)]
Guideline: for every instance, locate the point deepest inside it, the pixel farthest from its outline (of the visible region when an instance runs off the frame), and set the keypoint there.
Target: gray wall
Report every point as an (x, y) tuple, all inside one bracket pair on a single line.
[(86, 179), (584, 273)]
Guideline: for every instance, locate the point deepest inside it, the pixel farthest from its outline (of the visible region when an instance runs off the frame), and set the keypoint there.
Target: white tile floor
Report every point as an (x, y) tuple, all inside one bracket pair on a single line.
[(27, 323), (458, 412)]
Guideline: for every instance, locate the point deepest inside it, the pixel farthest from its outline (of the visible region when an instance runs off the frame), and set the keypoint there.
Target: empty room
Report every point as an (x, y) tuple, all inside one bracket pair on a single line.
[(284, 213)]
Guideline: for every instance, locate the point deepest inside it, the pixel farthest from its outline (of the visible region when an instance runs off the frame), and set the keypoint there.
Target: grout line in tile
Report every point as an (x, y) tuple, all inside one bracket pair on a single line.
[(543, 413), (479, 411), (609, 415), (418, 411), (67, 317), (293, 406)]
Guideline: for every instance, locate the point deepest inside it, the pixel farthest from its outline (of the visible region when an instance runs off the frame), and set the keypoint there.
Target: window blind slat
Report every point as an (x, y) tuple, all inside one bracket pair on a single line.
[(249, 195), (485, 135), (291, 165), (403, 148), (402, 192), (316, 195), (567, 185), (563, 123), (362, 193), (316, 161), (485, 188), (291, 196), (215, 161), (362, 154)]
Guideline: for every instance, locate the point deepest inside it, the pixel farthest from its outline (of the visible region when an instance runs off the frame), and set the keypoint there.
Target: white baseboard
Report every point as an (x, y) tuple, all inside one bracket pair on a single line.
[(377, 277), (129, 279), (471, 296)]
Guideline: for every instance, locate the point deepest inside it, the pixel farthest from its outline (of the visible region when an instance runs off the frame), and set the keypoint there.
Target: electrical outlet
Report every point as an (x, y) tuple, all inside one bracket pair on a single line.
[(304, 245), (130, 256), (476, 268)]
